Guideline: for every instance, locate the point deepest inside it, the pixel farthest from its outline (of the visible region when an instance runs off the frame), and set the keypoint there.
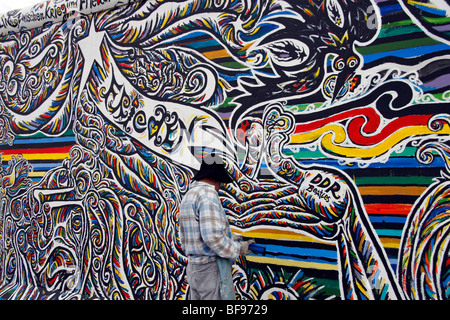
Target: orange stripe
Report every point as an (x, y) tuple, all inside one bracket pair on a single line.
[(216, 54), (392, 190)]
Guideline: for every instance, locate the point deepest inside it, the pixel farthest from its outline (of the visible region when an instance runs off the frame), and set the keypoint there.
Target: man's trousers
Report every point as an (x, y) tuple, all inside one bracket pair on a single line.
[(204, 281)]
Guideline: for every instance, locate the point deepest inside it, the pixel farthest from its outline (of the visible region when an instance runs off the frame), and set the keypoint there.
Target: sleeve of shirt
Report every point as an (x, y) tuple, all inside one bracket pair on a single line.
[(214, 230)]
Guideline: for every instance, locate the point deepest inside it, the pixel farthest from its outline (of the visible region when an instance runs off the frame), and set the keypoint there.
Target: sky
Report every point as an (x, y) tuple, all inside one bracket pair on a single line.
[(6, 5)]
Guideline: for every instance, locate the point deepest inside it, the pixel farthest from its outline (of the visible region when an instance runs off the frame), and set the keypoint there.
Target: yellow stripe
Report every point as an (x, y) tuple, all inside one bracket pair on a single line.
[(393, 243), (216, 54), (292, 236), (37, 174), (135, 37), (336, 130), (333, 134), (39, 156), (422, 4)]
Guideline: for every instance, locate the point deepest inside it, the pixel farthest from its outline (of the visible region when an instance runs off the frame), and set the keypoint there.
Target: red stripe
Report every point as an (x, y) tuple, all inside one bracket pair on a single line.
[(388, 208), (64, 149), (364, 124)]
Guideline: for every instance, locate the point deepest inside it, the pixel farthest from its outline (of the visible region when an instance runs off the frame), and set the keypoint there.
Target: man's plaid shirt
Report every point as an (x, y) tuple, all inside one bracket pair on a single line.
[(204, 229)]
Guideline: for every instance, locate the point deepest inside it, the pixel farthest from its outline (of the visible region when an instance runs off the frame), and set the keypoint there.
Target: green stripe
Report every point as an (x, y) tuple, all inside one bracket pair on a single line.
[(396, 31), (233, 65), (394, 181), (37, 135), (436, 20), (396, 24), (305, 154)]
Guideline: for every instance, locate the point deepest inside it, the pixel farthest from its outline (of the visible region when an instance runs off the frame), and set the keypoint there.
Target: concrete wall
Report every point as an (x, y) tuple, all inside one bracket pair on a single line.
[(333, 117)]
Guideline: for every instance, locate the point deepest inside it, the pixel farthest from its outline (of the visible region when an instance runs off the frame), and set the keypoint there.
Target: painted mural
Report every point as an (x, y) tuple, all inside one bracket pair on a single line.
[(331, 114)]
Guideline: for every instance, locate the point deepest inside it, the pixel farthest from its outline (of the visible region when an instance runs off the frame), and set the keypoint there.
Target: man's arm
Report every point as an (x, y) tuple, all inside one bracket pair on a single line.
[(214, 228)]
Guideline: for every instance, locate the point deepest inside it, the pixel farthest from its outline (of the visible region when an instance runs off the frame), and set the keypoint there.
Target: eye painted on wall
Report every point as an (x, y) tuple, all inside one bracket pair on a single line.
[(352, 62), (339, 64)]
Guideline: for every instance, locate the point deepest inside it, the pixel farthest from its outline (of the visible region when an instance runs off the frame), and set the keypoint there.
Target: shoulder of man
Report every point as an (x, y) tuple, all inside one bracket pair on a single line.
[(201, 189)]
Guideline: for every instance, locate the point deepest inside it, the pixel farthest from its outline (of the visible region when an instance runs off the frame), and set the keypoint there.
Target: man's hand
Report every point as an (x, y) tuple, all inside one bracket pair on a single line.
[(244, 247)]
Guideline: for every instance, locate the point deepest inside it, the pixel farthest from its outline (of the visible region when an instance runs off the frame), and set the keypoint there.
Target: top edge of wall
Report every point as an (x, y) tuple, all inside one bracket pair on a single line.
[(52, 11)]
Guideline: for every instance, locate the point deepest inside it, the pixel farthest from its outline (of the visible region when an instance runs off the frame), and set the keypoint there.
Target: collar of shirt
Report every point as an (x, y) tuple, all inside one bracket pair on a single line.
[(196, 183)]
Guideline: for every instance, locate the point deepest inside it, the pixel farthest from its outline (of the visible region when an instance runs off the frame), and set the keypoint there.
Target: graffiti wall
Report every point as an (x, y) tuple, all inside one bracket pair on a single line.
[(333, 117)]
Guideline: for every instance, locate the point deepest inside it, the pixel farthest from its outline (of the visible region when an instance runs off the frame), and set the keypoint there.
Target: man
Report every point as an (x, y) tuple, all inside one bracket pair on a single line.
[(206, 236)]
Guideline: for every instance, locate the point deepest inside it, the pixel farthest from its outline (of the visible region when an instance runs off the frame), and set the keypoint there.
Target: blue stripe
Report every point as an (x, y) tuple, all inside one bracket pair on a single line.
[(392, 163), (399, 162), (44, 140), (274, 250), (309, 259), (384, 10), (435, 11), (387, 219), (45, 166)]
